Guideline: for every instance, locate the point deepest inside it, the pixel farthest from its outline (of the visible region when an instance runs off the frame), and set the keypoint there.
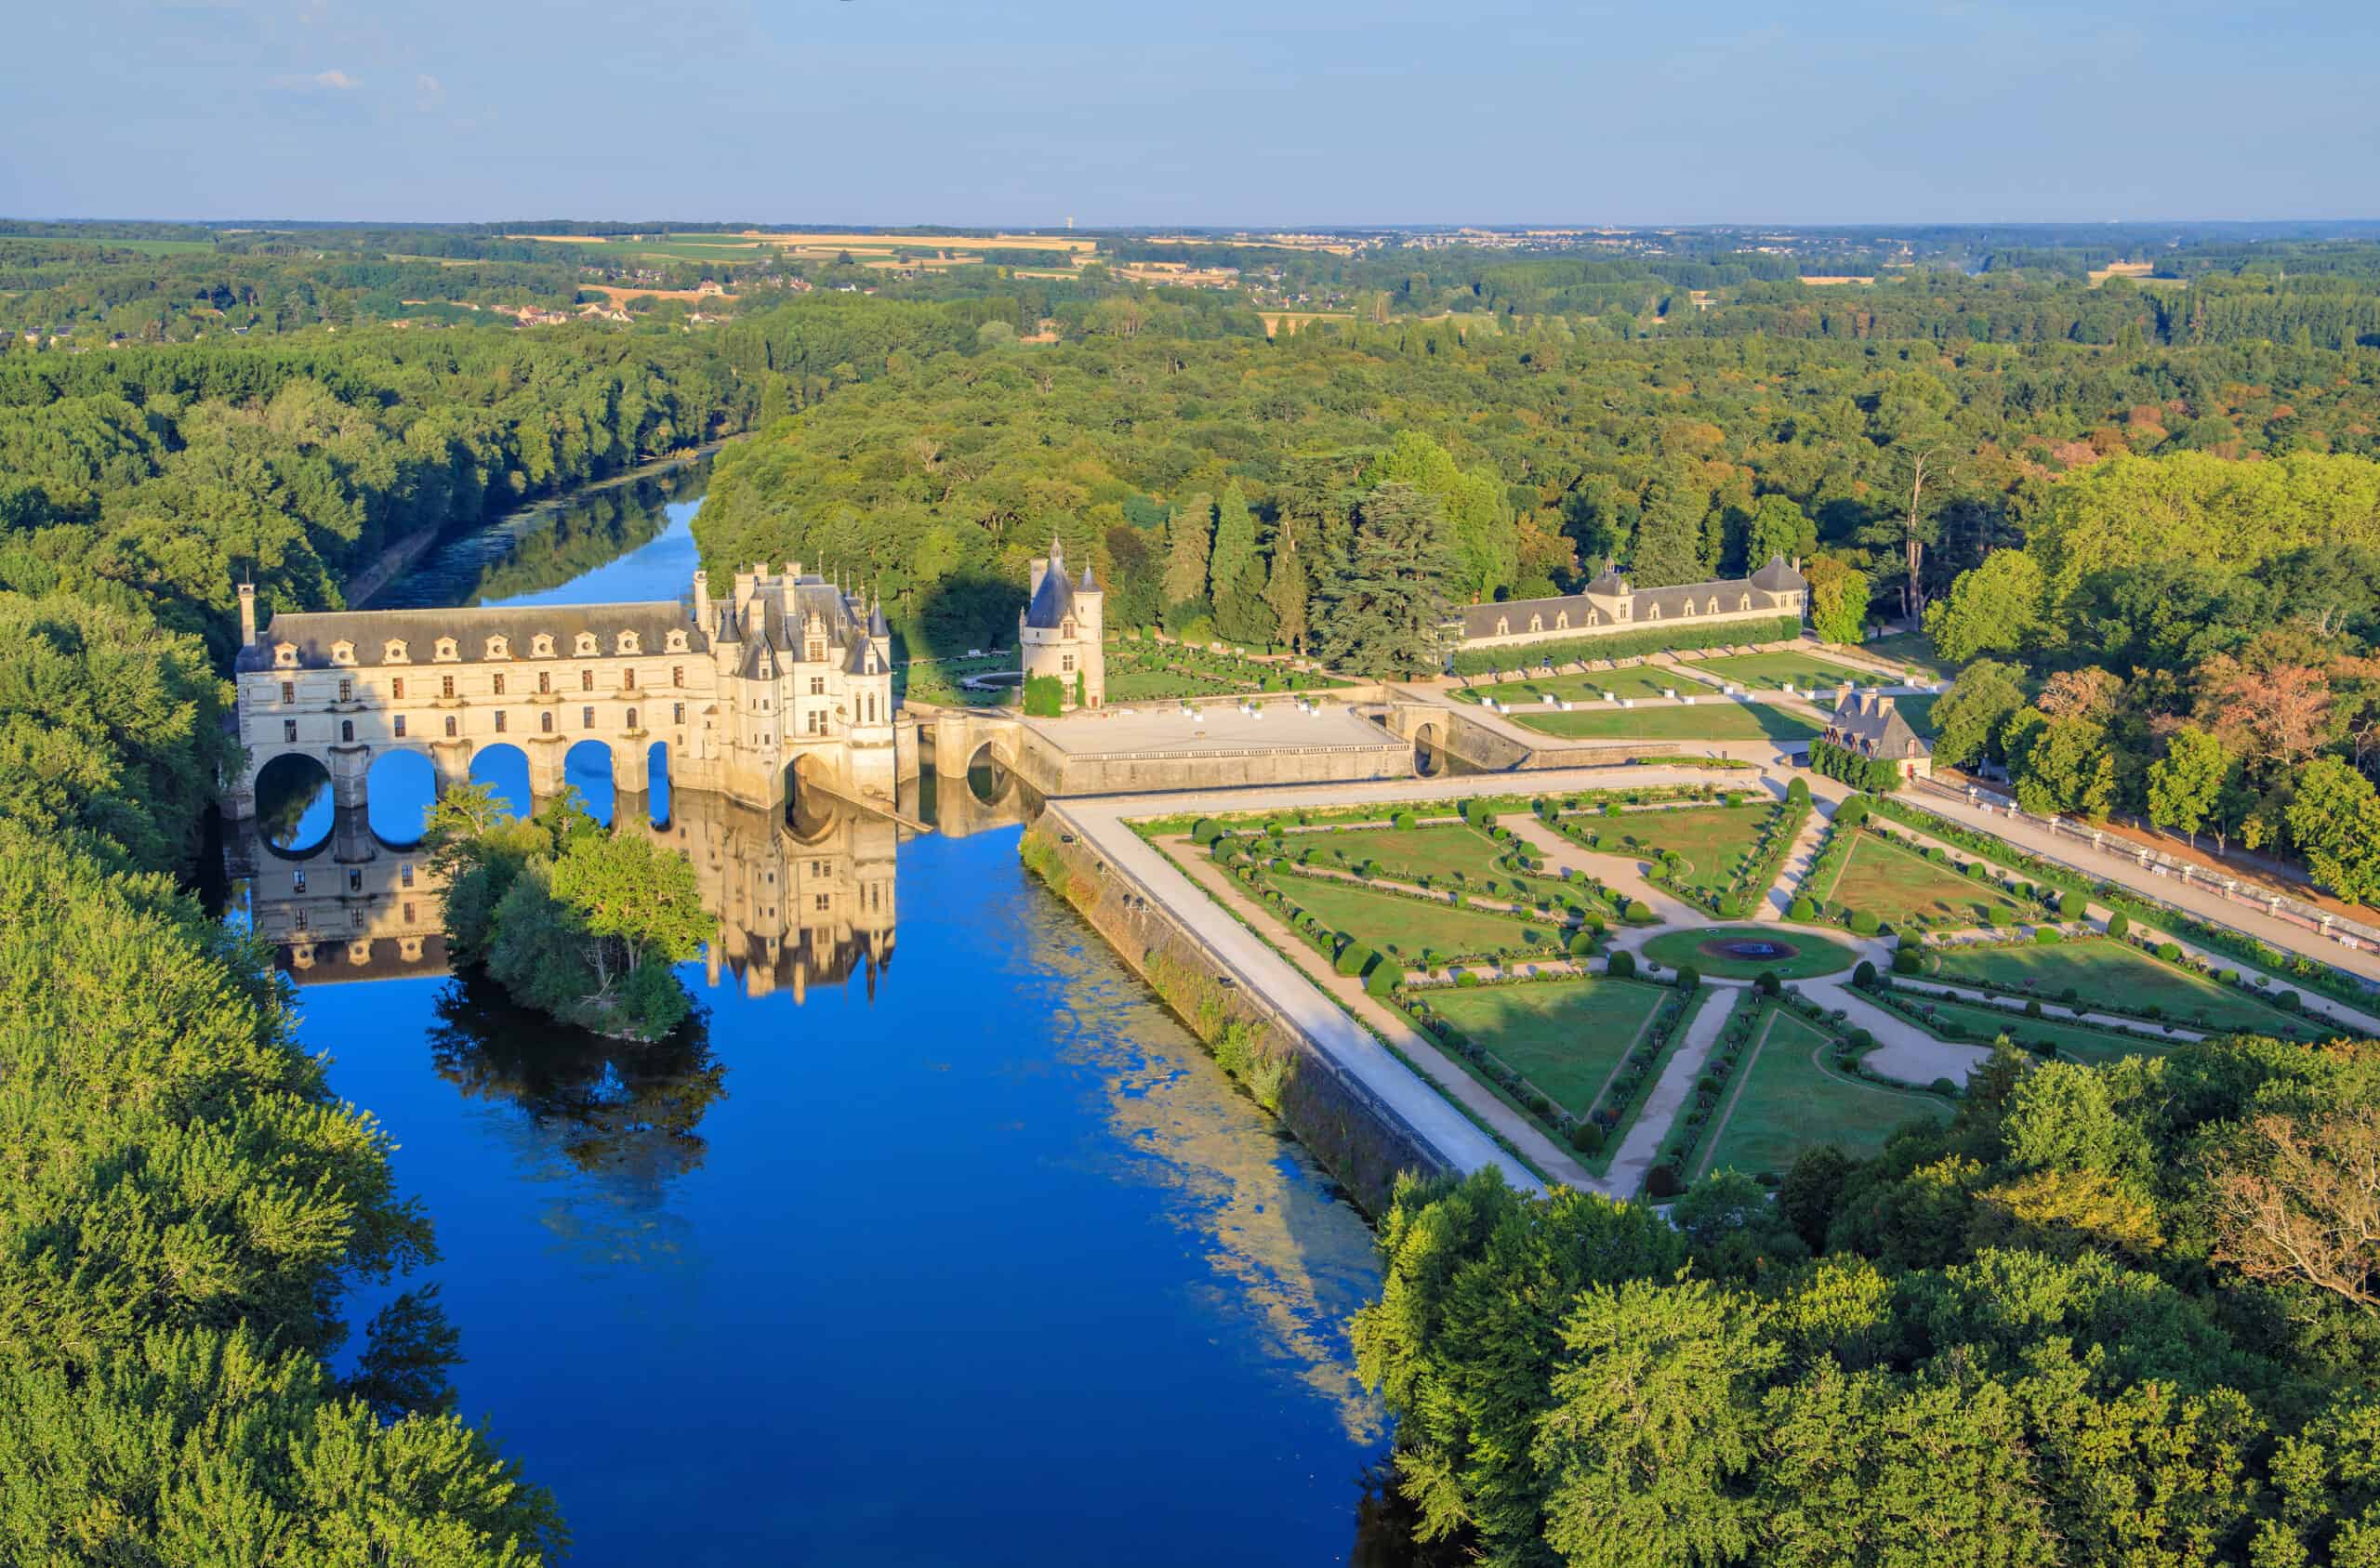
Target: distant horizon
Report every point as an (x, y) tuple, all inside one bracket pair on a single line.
[(1019, 226), (1131, 118)]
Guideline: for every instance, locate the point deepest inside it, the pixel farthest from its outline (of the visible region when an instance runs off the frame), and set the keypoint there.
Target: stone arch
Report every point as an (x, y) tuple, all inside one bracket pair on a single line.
[(587, 768), (399, 787), (505, 766), (1429, 739), (297, 805)]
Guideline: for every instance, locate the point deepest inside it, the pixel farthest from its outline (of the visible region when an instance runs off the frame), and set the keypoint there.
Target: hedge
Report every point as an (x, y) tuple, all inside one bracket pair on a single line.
[(1626, 644), (1878, 774)]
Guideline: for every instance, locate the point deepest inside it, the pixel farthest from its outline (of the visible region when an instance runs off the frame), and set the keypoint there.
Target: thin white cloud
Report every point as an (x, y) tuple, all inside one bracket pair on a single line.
[(320, 82), (427, 92)]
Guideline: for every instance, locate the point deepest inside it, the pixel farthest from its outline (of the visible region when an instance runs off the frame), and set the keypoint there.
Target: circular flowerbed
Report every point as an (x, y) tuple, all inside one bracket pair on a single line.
[(1744, 951)]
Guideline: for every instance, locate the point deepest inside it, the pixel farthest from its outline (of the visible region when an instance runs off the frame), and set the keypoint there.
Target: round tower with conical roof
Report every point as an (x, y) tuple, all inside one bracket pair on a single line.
[(1059, 631)]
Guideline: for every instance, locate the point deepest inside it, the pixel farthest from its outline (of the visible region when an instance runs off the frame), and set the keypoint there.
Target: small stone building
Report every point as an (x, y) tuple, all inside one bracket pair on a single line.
[(1058, 632), (1868, 724)]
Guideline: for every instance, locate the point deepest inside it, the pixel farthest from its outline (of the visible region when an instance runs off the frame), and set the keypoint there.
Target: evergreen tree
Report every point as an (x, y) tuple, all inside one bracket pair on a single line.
[(1186, 541), (1668, 542), (1385, 614), (1288, 590), (1237, 572)]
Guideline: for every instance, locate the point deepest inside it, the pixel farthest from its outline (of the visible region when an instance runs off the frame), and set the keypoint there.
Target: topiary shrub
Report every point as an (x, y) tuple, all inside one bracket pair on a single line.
[(1353, 957), (1859, 1039), (1402, 820), (2170, 952), (1852, 813), (1385, 978), (1582, 944), (2048, 936), (1664, 1182), (1622, 964), (1730, 907), (1688, 977), (2118, 924), (1944, 1087), (2032, 1007), (1205, 830), (1587, 1139), (1977, 871), (1467, 979), (1802, 910), (1798, 791), (1906, 961), (1864, 923), (1638, 912), (2071, 906), (1865, 975)]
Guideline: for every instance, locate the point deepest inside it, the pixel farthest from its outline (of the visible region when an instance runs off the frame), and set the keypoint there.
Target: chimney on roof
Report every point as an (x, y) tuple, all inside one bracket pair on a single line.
[(744, 582), (1883, 704), (1842, 694), (248, 615), (702, 602), (1797, 565)]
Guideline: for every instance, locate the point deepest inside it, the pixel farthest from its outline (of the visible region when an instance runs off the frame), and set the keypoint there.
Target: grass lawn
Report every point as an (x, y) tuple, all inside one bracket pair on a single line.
[(2075, 1042), (2106, 971), (1807, 671), (1786, 1101), (1566, 1036), (1405, 925), (1909, 892), (1409, 853), (1713, 719), (1636, 681), (1712, 840), (1913, 649), (1810, 955)]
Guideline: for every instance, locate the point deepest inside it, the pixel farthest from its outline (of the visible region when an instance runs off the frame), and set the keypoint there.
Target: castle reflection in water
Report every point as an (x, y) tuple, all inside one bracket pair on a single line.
[(803, 896)]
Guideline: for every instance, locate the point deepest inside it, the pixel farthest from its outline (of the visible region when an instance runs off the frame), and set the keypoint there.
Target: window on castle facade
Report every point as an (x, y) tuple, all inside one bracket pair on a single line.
[(545, 683), (586, 718), (400, 722), (499, 722), (397, 688), (347, 690), (288, 692), (587, 680), (499, 685), (450, 726), (627, 679), (289, 730), (445, 685)]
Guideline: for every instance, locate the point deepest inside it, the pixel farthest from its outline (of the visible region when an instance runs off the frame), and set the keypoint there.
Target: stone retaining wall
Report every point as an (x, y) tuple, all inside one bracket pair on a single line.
[(1363, 1143)]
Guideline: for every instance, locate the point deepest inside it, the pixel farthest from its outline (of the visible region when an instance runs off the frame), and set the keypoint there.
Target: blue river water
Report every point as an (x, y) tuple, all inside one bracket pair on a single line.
[(967, 1256)]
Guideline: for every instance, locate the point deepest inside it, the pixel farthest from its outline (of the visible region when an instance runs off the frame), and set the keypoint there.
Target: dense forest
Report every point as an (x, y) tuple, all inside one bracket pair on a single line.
[(2139, 514)]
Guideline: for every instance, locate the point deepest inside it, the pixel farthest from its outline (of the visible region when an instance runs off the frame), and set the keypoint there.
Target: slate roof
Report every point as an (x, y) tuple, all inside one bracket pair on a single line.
[(1778, 577), (1875, 726), (1054, 601), (315, 632)]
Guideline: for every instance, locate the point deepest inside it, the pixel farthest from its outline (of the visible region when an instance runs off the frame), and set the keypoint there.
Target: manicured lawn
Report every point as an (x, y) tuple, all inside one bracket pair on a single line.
[(1713, 719), (2105, 970), (1635, 681), (1710, 839), (2076, 1042), (1408, 853), (1909, 892), (1566, 1036), (1913, 649), (1788, 1103), (1810, 955), (1405, 925), (1807, 671)]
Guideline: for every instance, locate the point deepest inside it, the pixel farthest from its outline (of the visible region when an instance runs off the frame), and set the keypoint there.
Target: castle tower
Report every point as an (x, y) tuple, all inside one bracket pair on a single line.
[(1059, 631)]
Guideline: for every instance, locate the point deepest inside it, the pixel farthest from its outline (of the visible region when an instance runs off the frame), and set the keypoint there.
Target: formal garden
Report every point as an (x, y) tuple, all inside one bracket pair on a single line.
[(1593, 686), (1748, 952), (1908, 891), (1712, 717), (1804, 672), (1144, 670), (1783, 1083), (2113, 976)]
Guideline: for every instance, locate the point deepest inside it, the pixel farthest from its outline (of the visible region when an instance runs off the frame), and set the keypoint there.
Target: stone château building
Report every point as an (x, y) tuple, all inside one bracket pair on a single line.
[(1058, 632), (791, 672), (1609, 604), (1867, 723)]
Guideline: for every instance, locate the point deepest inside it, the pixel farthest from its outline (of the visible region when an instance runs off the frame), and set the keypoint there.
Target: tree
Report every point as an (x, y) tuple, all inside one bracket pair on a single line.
[(2274, 716), (2062, 768), (1478, 523), (1995, 607), (1838, 600), (1237, 572), (2302, 1203), (2335, 821), (1386, 615), (1669, 540), (1288, 591), (1778, 527), (1969, 721), (1186, 541), (2186, 785)]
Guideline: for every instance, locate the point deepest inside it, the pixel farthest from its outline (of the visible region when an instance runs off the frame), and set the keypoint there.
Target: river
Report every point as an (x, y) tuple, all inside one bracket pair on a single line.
[(938, 1241)]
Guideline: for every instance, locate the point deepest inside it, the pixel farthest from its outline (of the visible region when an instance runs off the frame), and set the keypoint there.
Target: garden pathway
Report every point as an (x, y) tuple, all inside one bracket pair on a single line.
[(1902, 1049), (1622, 874), (2052, 1012), (1672, 1090), (1798, 861), (1418, 1049)]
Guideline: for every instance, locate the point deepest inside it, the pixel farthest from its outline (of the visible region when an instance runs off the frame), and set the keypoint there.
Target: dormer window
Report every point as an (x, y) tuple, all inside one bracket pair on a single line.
[(1562, 620), (815, 652), (393, 652), (541, 646), (342, 652), (1067, 629), (1653, 611), (1504, 626), (284, 655), (676, 643), (583, 644), (448, 650), (1744, 603), (1537, 622), (628, 643), (499, 646), (1684, 608), (1712, 608)]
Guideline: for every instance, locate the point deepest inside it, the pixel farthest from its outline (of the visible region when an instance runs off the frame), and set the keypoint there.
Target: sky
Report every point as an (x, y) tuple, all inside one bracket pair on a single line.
[(1215, 112)]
